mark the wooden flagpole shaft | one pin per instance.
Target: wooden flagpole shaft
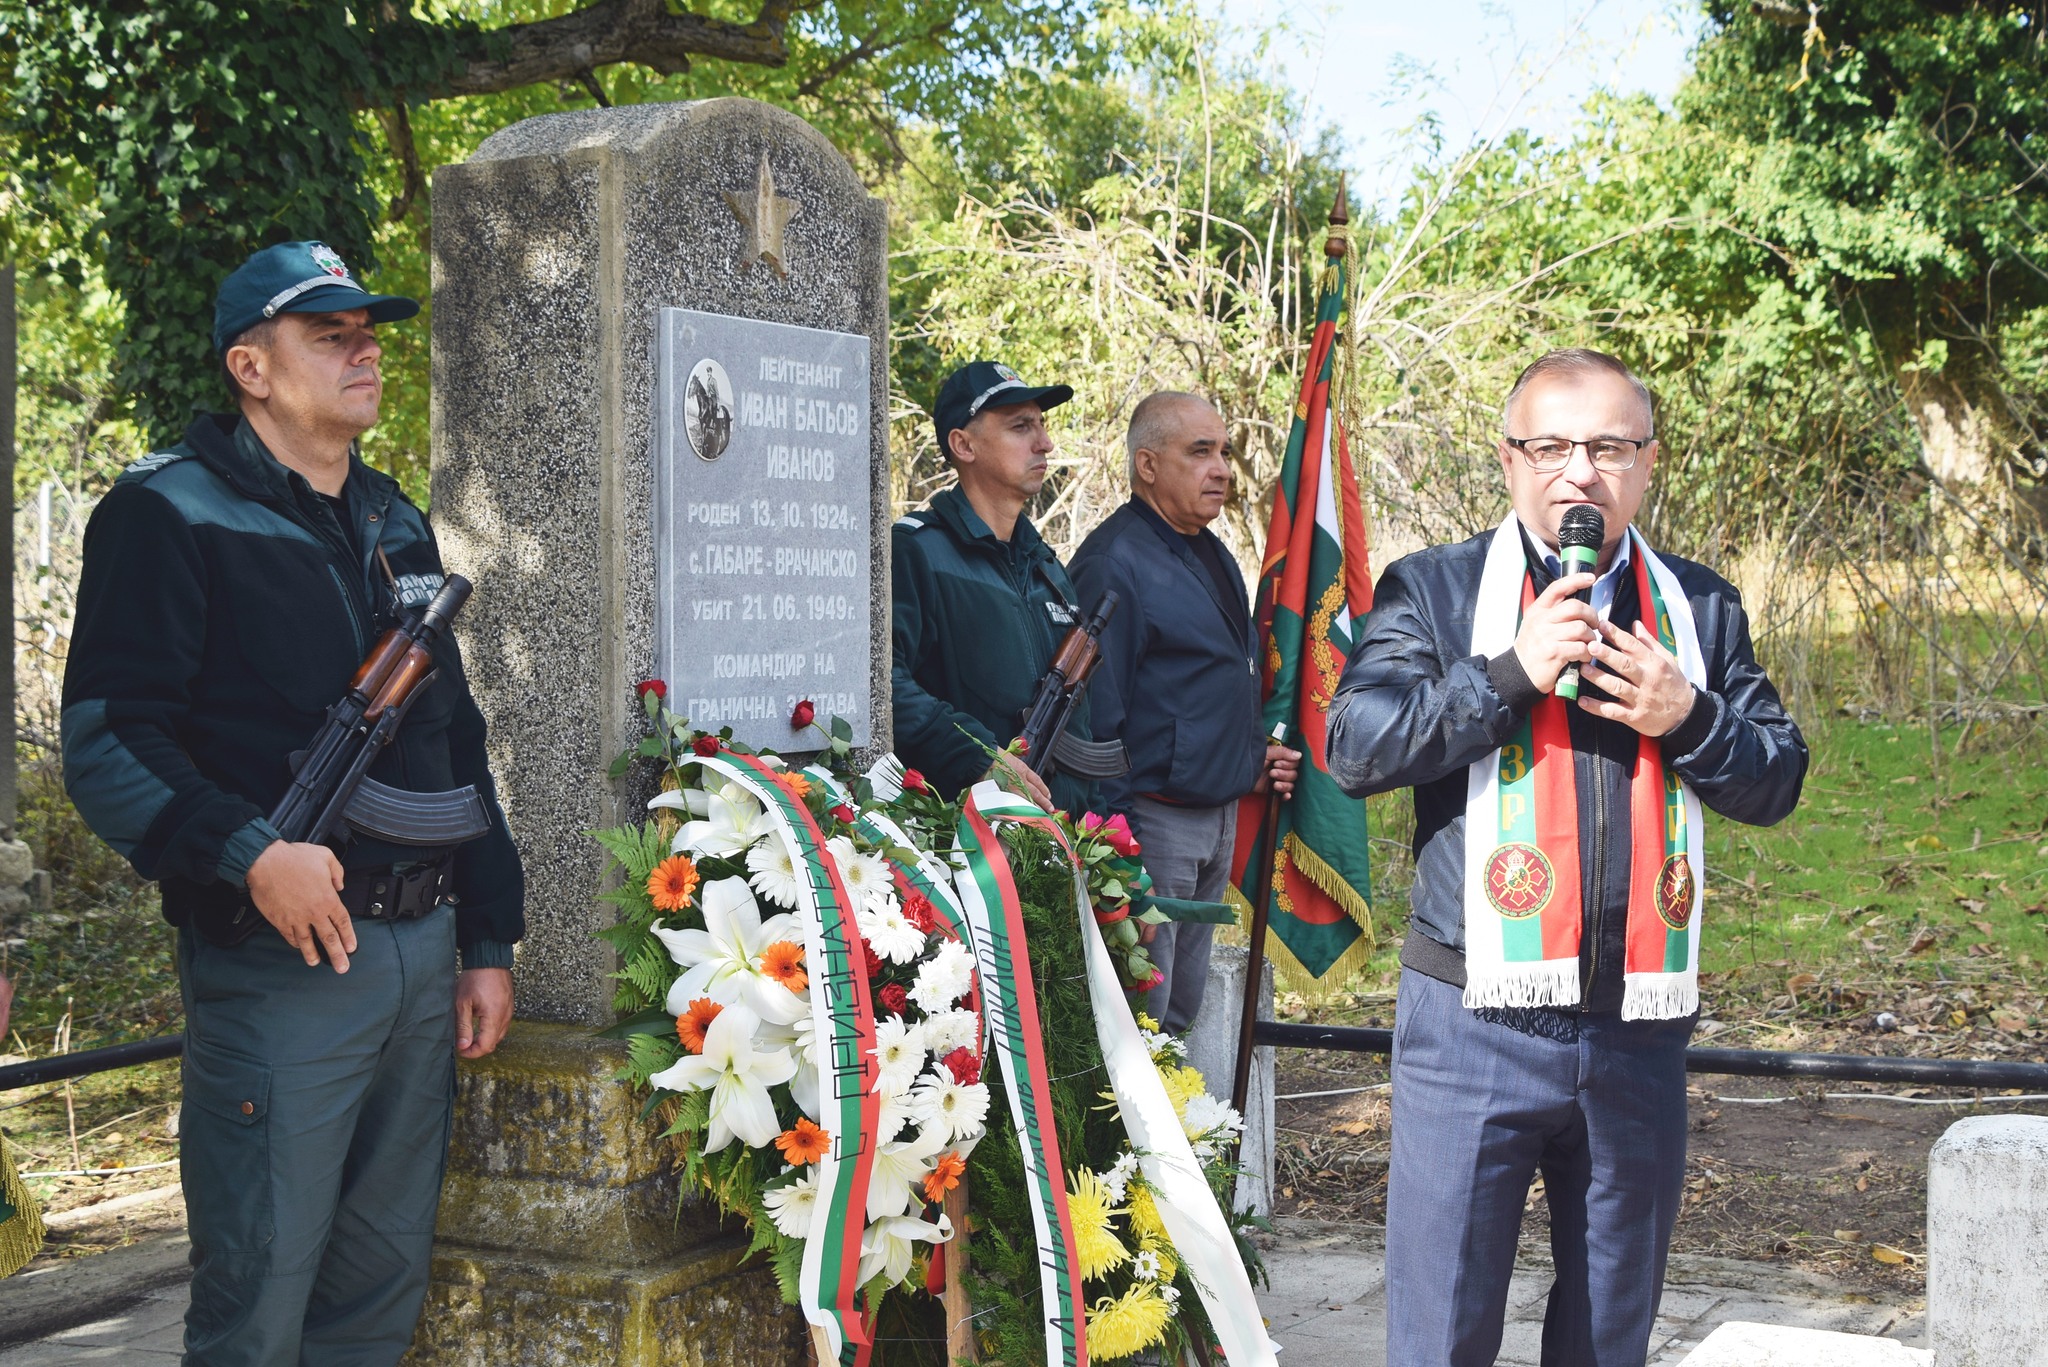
(1255, 962)
(958, 1305)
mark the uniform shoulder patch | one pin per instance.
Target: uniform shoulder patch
(149, 465)
(912, 522)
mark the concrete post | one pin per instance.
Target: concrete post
(1212, 1048)
(1987, 1242)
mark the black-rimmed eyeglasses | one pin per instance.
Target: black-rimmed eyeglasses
(1547, 454)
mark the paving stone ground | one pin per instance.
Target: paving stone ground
(1326, 1307)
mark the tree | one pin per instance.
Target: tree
(1896, 151)
(209, 128)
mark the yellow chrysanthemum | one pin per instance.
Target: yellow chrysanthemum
(1127, 1325)
(1181, 1083)
(1145, 1221)
(1145, 1022)
(1090, 1210)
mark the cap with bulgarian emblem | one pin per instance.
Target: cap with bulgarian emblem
(296, 277)
(980, 385)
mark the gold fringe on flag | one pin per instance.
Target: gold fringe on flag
(21, 1232)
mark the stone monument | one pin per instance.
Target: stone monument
(660, 384)
(1987, 1242)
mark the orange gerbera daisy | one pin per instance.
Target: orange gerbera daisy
(944, 1177)
(798, 785)
(673, 883)
(784, 962)
(802, 1143)
(691, 1025)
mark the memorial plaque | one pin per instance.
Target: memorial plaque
(762, 526)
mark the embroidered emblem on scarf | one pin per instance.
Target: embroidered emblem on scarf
(1523, 917)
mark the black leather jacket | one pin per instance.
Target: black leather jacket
(1415, 707)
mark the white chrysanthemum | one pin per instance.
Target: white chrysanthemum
(949, 1030)
(793, 1208)
(900, 1052)
(944, 978)
(771, 868)
(956, 1109)
(889, 933)
(1205, 1117)
(1163, 1048)
(1117, 1181)
(866, 877)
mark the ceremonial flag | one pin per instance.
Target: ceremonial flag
(1314, 583)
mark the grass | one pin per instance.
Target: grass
(94, 969)
(1903, 869)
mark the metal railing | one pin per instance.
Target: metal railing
(1923, 1072)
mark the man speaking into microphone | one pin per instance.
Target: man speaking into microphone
(1550, 979)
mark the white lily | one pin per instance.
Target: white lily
(721, 960)
(738, 1078)
(899, 1171)
(888, 1246)
(731, 821)
(800, 1037)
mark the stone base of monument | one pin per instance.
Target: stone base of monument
(1741, 1344)
(1212, 1048)
(564, 1237)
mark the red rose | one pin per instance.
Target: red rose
(706, 746)
(1158, 977)
(654, 686)
(1020, 746)
(964, 1066)
(913, 782)
(871, 962)
(804, 713)
(896, 997)
(843, 813)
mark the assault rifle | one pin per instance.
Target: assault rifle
(1047, 744)
(331, 795)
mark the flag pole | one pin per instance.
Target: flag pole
(1255, 962)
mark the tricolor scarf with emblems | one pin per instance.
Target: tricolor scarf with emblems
(1523, 917)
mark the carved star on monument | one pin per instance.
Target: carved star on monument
(764, 214)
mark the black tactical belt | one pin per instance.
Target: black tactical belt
(389, 895)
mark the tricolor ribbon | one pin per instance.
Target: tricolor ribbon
(843, 1017)
(1201, 1236)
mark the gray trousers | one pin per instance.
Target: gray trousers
(1593, 1102)
(314, 1136)
(1187, 850)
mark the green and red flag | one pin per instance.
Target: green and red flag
(1315, 582)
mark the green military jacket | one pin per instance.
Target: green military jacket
(975, 624)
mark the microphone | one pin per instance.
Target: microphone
(1578, 550)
